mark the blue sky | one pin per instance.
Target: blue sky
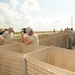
(41, 15)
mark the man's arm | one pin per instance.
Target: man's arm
(25, 40)
(22, 36)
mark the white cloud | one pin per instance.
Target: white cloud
(24, 18)
(8, 16)
(30, 5)
(14, 3)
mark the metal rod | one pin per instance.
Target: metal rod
(71, 22)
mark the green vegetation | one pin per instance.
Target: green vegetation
(17, 32)
(36, 32)
(39, 32)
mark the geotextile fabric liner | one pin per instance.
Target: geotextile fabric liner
(12, 61)
(74, 36)
(41, 36)
(59, 40)
(5, 42)
(21, 47)
(51, 61)
(17, 40)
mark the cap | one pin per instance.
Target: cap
(28, 30)
(10, 29)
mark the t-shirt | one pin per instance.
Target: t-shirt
(34, 38)
(70, 33)
(8, 36)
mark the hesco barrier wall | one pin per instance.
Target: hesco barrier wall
(59, 40)
(11, 58)
(41, 36)
(51, 61)
(17, 40)
(11, 63)
(74, 36)
(5, 42)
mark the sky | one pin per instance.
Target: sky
(40, 15)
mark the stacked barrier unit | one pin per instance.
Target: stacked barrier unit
(51, 61)
(11, 58)
(5, 42)
(17, 40)
(59, 40)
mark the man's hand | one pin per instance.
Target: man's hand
(22, 34)
(1, 38)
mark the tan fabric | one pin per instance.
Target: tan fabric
(11, 58)
(51, 61)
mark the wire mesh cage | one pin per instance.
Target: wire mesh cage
(6, 42)
(17, 40)
(59, 40)
(11, 63)
(51, 61)
(11, 58)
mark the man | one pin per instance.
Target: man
(8, 35)
(32, 38)
(70, 39)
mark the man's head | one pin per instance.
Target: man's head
(28, 30)
(10, 30)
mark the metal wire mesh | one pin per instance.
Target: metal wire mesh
(51, 61)
(59, 40)
(11, 63)
(5, 42)
(11, 58)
